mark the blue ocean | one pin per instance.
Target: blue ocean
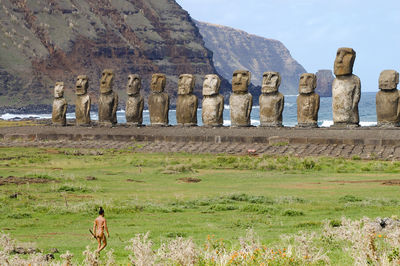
(367, 111)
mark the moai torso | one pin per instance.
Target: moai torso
(346, 90)
(240, 101)
(387, 99)
(82, 102)
(186, 104)
(213, 102)
(271, 101)
(108, 101)
(59, 106)
(307, 101)
(158, 101)
(135, 101)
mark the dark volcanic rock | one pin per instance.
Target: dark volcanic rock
(42, 42)
(324, 82)
(235, 49)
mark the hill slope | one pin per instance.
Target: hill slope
(235, 49)
(45, 41)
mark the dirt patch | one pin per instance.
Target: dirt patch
(389, 182)
(22, 180)
(393, 182)
(91, 178)
(133, 180)
(189, 180)
(52, 151)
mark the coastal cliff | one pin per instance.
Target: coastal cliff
(45, 41)
(235, 49)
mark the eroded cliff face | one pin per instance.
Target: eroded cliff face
(44, 41)
(324, 82)
(235, 49)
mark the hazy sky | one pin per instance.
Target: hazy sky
(312, 30)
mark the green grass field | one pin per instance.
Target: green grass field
(185, 195)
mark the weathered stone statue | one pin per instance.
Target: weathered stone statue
(307, 101)
(108, 101)
(59, 106)
(158, 101)
(213, 102)
(387, 99)
(240, 101)
(82, 102)
(271, 100)
(186, 104)
(135, 102)
(346, 90)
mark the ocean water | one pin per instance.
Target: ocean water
(366, 107)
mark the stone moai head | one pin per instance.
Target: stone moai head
(158, 82)
(211, 85)
(388, 80)
(344, 61)
(106, 81)
(82, 85)
(134, 84)
(241, 81)
(59, 90)
(308, 83)
(271, 82)
(186, 84)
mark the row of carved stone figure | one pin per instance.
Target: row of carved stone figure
(346, 92)
(271, 101)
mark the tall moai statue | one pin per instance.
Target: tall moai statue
(82, 102)
(240, 101)
(108, 101)
(271, 100)
(346, 90)
(186, 104)
(213, 102)
(59, 112)
(135, 102)
(307, 101)
(387, 99)
(158, 101)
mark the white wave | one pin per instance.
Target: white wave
(328, 123)
(227, 123)
(226, 106)
(367, 124)
(255, 122)
(291, 95)
(8, 116)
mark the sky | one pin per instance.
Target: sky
(313, 30)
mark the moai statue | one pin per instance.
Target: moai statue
(271, 100)
(240, 101)
(59, 106)
(387, 99)
(82, 102)
(135, 102)
(108, 101)
(186, 104)
(307, 101)
(158, 101)
(346, 90)
(213, 102)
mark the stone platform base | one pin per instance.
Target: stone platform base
(366, 143)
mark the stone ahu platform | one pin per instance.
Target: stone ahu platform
(365, 142)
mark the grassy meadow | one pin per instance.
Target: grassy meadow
(50, 197)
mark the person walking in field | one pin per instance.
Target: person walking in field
(99, 226)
